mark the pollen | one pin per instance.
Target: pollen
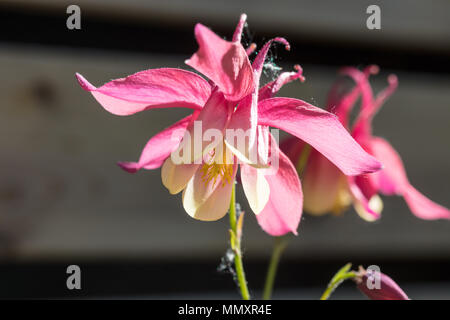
(212, 171)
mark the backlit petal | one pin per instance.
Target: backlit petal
(423, 207)
(159, 147)
(283, 211)
(256, 187)
(321, 129)
(225, 63)
(154, 88)
(176, 177)
(206, 132)
(368, 209)
(207, 201)
(321, 185)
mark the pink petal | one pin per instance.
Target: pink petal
(293, 148)
(261, 57)
(341, 100)
(213, 118)
(270, 89)
(369, 110)
(155, 88)
(238, 32)
(367, 209)
(251, 102)
(238, 135)
(159, 147)
(225, 63)
(361, 79)
(321, 129)
(368, 184)
(251, 48)
(423, 207)
(393, 180)
(362, 126)
(283, 211)
(258, 65)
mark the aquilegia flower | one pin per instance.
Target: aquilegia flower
(230, 102)
(327, 189)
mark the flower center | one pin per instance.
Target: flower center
(211, 171)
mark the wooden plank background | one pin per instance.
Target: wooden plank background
(414, 23)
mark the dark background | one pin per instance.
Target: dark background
(64, 201)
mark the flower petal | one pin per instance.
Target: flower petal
(247, 116)
(240, 26)
(423, 207)
(154, 88)
(175, 177)
(256, 187)
(225, 63)
(293, 148)
(206, 131)
(321, 185)
(238, 136)
(270, 89)
(369, 210)
(207, 201)
(342, 99)
(363, 123)
(159, 147)
(393, 180)
(321, 129)
(258, 63)
(283, 211)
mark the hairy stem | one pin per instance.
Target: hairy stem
(237, 248)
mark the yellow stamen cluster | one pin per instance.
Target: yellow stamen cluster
(211, 171)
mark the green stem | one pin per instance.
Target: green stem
(237, 250)
(342, 275)
(280, 244)
(332, 286)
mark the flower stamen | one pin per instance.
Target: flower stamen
(211, 171)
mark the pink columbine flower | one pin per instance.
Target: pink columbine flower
(386, 289)
(327, 189)
(230, 100)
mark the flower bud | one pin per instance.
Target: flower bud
(378, 286)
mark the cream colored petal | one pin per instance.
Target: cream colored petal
(321, 185)
(207, 201)
(375, 204)
(175, 177)
(256, 187)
